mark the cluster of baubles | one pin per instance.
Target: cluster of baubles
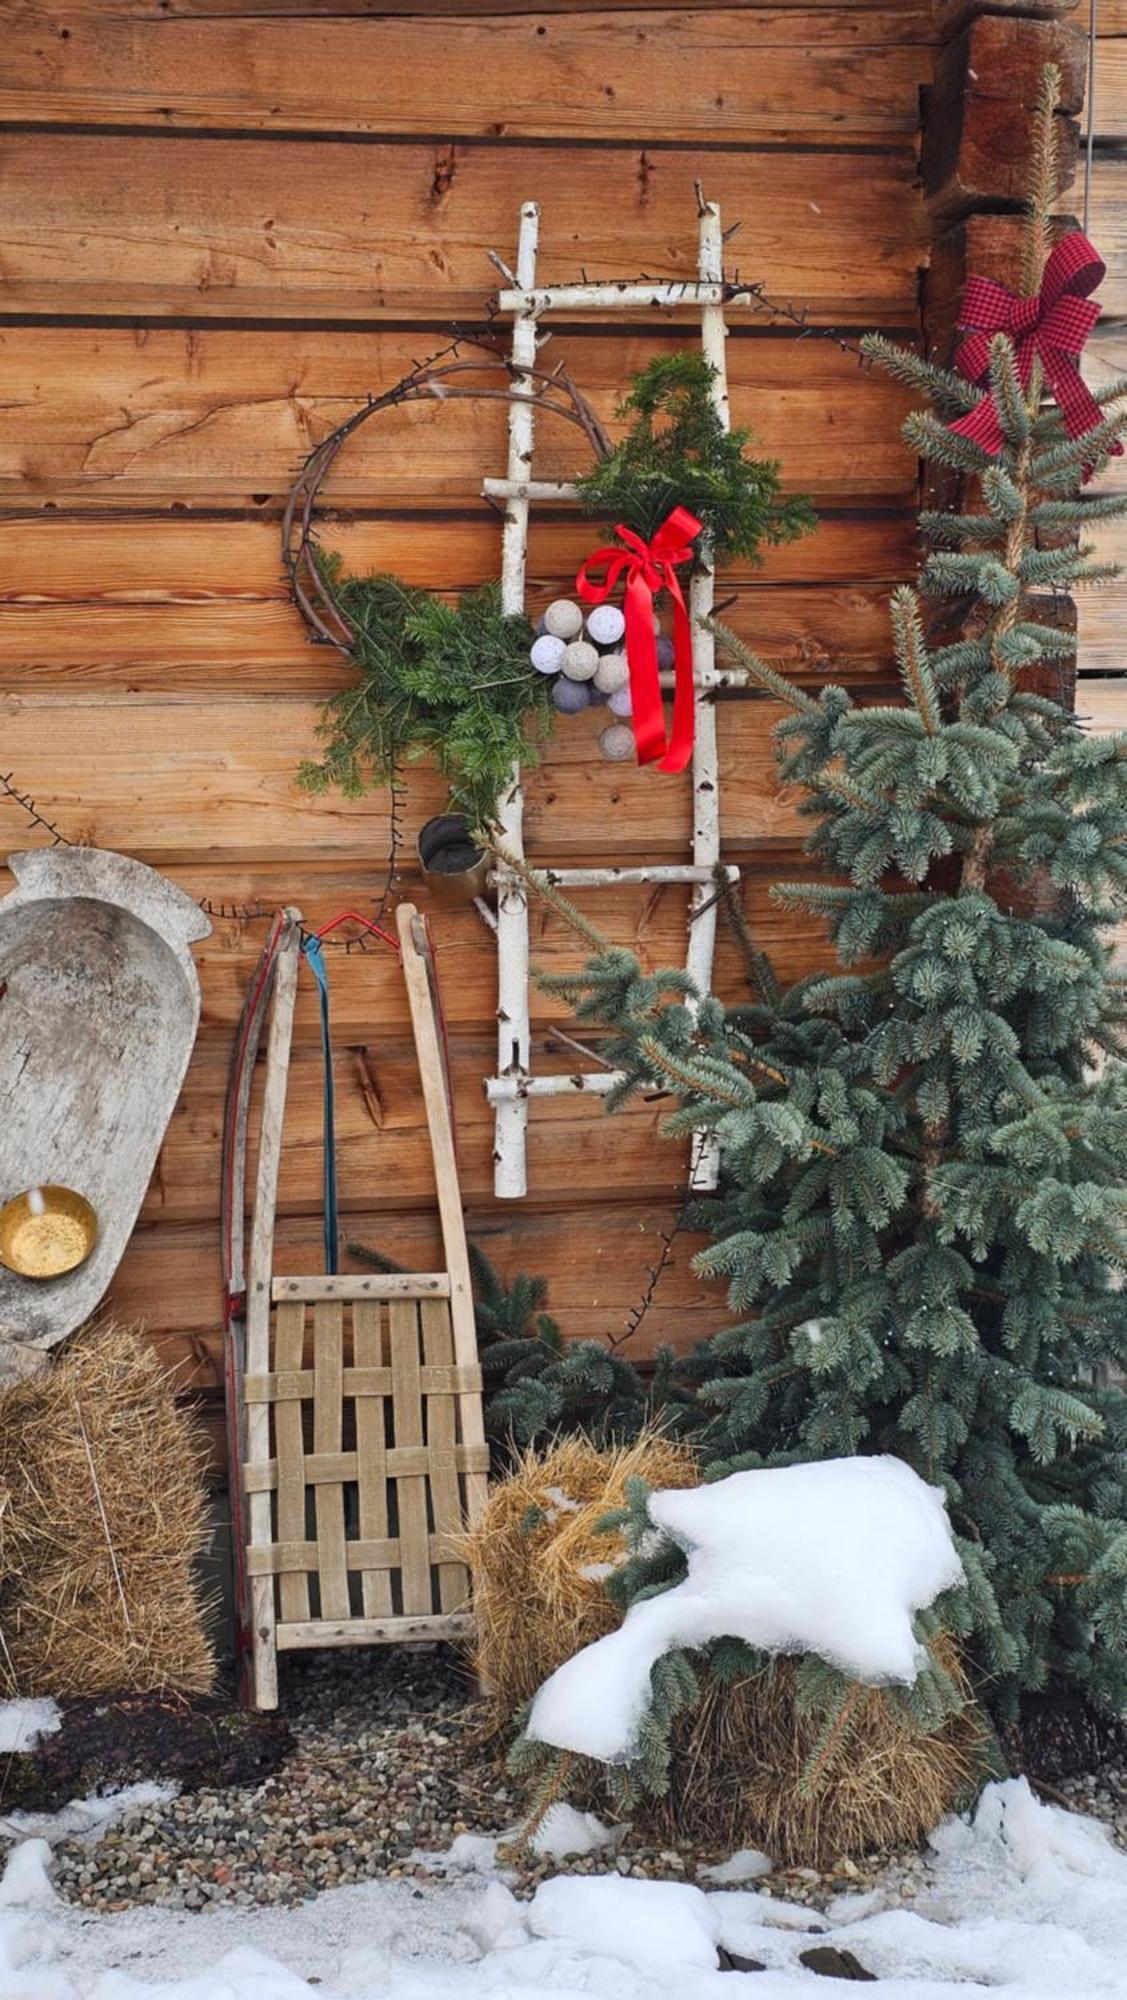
(584, 657)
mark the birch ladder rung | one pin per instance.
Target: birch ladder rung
(514, 1085)
(366, 1456)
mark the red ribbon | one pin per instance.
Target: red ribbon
(649, 567)
(1052, 326)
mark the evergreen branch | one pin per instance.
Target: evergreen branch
(768, 677)
(911, 656)
(542, 886)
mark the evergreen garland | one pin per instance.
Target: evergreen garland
(922, 1225)
(677, 453)
(451, 680)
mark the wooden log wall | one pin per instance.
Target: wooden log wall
(227, 222)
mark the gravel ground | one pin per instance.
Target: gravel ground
(389, 1763)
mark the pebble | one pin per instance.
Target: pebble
(392, 1761)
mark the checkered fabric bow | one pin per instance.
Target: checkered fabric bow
(1052, 326)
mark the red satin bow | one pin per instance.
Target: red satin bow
(1052, 326)
(649, 567)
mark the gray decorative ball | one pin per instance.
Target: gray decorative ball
(606, 624)
(665, 655)
(611, 673)
(620, 702)
(580, 661)
(569, 696)
(563, 619)
(547, 654)
(616, 744)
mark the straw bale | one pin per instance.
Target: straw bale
(104, 1521)
(538, 1563)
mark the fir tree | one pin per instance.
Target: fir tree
(922, 1225)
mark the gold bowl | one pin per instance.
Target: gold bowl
(46, 1231)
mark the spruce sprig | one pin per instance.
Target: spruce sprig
(676, 452)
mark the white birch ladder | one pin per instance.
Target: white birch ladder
(514, 1084)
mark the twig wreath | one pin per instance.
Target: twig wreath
(470, 683)
(453, 680)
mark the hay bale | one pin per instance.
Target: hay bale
(105, 1518)
(745, 1771)
(538, 1564)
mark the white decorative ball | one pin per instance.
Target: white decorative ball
(666, 655)
(580, 661)
(620, 702)
(547, 654)
(616, 743)
(563, 619)
(606, 624)
(611, 673)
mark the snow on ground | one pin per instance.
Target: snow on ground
(23, 1722)
(831, 1558)
(85, 1819)
(1025, 1899)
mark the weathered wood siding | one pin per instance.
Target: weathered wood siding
(1102, 693)
(226, 221)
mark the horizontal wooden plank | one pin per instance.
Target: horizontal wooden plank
(1107, 222)
(368, 998)
(388, 1166)
(167, 227)
(169, 1277)
(1102, 704)
(211, 416)
(171, 781)
(1111, 84)
(822, 632)
(200, 560)
(667, 74)
(912, 20)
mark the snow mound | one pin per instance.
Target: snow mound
(23, 1722)
(563, 1831)
(645, 1923)
(832, 1559)
(747, 1865)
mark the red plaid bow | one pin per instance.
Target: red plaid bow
(1053, 325)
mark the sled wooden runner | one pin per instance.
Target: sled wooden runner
(366, 1455)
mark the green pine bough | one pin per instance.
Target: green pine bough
(676, 452)
(923, 1222)
(450, 680)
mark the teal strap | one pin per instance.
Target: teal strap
(315, 959)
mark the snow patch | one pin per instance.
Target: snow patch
(86, 1819)
(23, 1722)
(832, 1559)
(644, 1923)
(563, 1831)
(746, 1865)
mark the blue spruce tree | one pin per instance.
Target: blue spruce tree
(923, 1222)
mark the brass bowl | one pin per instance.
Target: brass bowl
(46, 1232)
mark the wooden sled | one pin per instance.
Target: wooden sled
(365, 1452)
(99, 1005)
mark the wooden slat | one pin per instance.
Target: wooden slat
(209, 416)
(392, 1285)
(371, 1460)
(166, 227)
(441, 1430)
(289, 1345)
(679, 74)
(374, 1631)
(260, 1262)
(172, 782)
(328, 1410)
(410, 1490)
(1107, 223)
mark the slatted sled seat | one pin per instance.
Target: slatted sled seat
(365, 1441)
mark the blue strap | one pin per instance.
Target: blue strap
(315, 959)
